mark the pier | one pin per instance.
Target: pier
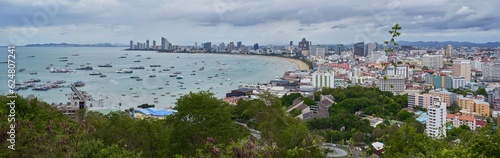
(82, 98)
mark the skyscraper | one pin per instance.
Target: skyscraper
(163, 43)
(256, 46)
(340, 48)
(238, 44)
(449, 51)
(154, 44)
(131, 44)
(370, 47)
(462, 68)
(432, 61)
(304, 44)
(207, 46)
(359, 49)
(147, 44)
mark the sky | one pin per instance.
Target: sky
(184, 22)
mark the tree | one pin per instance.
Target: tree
(394, 33)
(425, 68)
(201, 116)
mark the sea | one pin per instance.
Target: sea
(221, 74)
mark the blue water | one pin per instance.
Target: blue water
(237, 68)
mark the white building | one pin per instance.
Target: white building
(436, 119)
(394, 84)
(397, 71)
(432, 61)
(377, 56)
(476, 64)
(458, 82)
(491, 69)
(323, 79)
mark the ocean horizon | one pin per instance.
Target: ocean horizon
(222, 73)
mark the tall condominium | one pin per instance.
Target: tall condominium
(432, 61)
(147, 44)
(436, 119)
(449, 51)
(462, 68)
(394, 84)
(163, 40)
(304, 44)
(370, 47)
(238, 44)
(131, 44)
(154, 44)
(323, 79)
(359, 49)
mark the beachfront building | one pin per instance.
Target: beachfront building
(323, 79)
(436, 119)
(152, 113)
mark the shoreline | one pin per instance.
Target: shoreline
(300, 64)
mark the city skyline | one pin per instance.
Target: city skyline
(186, 22)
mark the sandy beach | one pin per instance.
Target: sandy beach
(300, 64)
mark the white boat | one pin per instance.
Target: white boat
(124, 71)
(95, 73)
(59, 70)
(105, 65)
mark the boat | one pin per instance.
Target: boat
(64, 60)
(95, 73)
(103, 75)
(152, 75)
(160, 87)
(148, 58)
(173, 75)
(105, 65)
(162, 94)
(31, 56)
(172, 67)
(166, 69)
(126, 71)
(183, 87)
(63, 57)
(154, 65)
(193, 74)
(216, 75)
(138, 55)
(137, 61)
(194, 71)
(178, 72)
(179, 77)
(156, 101)
(79, 84)
(70, 63)
(75, 55)
(137, 67)
(122, 57)
(139, 79)
(22, 70)
(123, 94)
(196, 83)
(33, 73)
(135, 76)
(87, 63)
(209, 76)
(59, 70)
(173, 95)
(167, 92)
(85, 68)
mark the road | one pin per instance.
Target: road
(253, 132)
(338, 152)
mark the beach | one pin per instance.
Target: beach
(300, 64)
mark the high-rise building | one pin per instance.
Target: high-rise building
(420, 100)
(154, 44)
(222, 47)
(447, 97)
(473, 107)
(163, 40)
(256, 46)
(304, 44)
(147, 44)
(238, 44)
(449, 51)
(359, 49)
(458, 82)
(318, 50)
(394, 84)
(436, 119)
(491, 70)
(462, 68)
(131, 44)
(400, 70)
(432, 61)
(323, 79)
(370, 47)
(207, 46)
(340, 48)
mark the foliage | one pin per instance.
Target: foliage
(394, 33)
(454, 108)
(287, 100)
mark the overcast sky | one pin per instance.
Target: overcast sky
(184, 22)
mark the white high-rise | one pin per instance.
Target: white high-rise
(436, 119)
(323, 79)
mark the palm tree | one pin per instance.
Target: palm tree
(394, 33)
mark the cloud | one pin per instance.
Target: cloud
(187, 21)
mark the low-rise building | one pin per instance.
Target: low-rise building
(458, 119)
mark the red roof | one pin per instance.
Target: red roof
(480, 123)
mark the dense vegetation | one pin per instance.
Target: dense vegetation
(208, 127)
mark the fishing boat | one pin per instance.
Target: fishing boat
(135, 76)
(95, 73)
(193, 74)
(179, 77)
(172, 67)
(137, 67)
(75, 55)
(148, 58)
(64, 60)
(178, 72)
(152, 75)
(122, 57)
(125, 71)
(173, 75)
(85, 68)
(138, 55)
(63, 57)
(137, 61)
(139, 79)
(22, 70)
(155, 65)
(166, 69)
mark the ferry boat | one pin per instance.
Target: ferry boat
(126, 71)
(179, 77)
(85, 68)
(95, 73)
(58, 70)
(173, 75)
(105, 65)
(154, 65)
(137, 67)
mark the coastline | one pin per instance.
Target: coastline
(300, 64)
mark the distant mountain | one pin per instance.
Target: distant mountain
(445, 43)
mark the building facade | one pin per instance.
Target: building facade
(323, 79)
(462, 68)
(436, 119)
(394, 84)
(432, 61)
